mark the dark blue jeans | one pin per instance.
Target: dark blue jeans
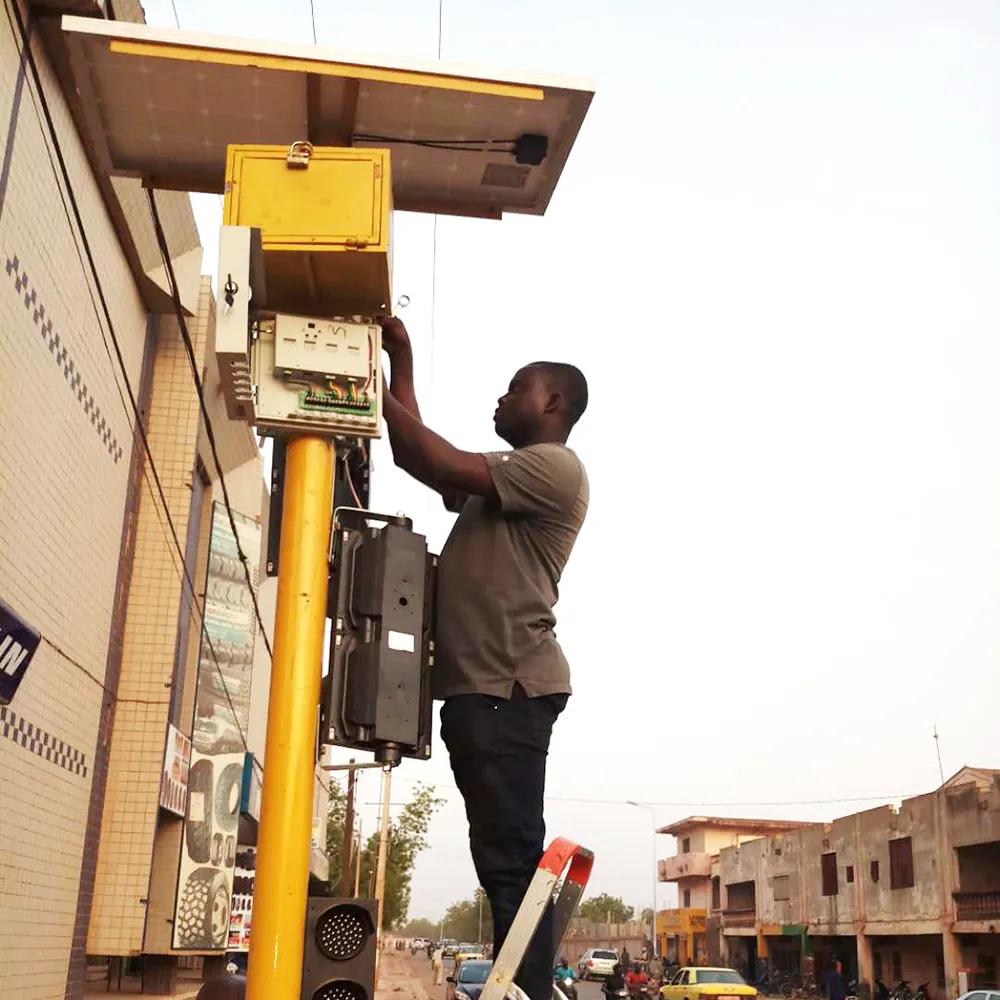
(498, 749)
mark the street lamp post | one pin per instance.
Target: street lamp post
(652, 811)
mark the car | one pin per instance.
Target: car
(467, 951)
(981, 995)
(448, 947)
(706, 984)
(468, 979)
(596, 963)
(419, 944)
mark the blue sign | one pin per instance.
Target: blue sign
(18, 642)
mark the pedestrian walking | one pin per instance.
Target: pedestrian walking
(437, 966)
(498, 667)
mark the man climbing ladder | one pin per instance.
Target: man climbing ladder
(499, 669)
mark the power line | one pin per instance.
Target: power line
(312, 14)
(161, 239)
(44, 114)
(692, 805)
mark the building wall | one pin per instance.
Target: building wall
(241, 464)
(918, 820)
(835, 913)
(63, 486)
(781, 858)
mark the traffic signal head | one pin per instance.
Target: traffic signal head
(339, 960)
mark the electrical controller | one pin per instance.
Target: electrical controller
(377, 694)
(285, 373)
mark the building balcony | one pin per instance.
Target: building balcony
(690, 865)
(739, 918)
(977, 905)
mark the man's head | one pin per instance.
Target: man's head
(543, 402)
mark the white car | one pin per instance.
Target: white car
(597, 962)
(981, 995)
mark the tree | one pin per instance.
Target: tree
(335, 817)
(462, 919)
(647, 915)
(407, 838)
(419, 928)
(605, 909)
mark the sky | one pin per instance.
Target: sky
(774, 252)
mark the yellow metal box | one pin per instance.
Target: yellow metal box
(325, 216)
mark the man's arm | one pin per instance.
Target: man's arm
(430, 459)
(396, 342)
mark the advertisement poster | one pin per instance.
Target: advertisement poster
(176, 765)
(242, 908)
(222, 709)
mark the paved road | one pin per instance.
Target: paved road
(589, 991)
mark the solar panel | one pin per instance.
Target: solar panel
(163, 105)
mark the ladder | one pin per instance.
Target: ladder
(560, 853)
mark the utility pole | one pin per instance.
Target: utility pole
(383, 850)
(479, 940)
(937, 744)
(345, 852)
(357, 866)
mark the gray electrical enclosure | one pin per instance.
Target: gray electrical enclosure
(381, 601)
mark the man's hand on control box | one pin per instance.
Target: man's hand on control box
(394, 336)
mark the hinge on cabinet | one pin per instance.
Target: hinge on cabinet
(356, 242)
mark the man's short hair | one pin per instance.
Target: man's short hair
(571, 383)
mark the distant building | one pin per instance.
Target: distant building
(686, 934)
(911, 894)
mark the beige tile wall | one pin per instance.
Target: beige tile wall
(61, 506)
(130, 808)
(241, 464)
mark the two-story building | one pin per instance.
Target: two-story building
(688, 934)
(910, 893)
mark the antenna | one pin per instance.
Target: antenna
(937, 744)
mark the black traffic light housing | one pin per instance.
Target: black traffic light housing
(377, 694)
(339, 958)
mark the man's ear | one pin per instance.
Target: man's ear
(554, 403)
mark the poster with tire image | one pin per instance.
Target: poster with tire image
(222, 707)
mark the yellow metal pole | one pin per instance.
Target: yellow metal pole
(280, 890)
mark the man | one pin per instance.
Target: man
(437, 966)
(498, 667)
(635, 978)
(614, 983)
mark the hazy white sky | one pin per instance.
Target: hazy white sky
(774, 252)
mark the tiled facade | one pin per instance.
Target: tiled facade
(62, 498)
(154, 606)
(87, 861)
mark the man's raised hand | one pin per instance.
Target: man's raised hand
(394, 335)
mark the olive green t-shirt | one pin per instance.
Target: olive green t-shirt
(498, 577)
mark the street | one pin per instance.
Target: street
(402, 968)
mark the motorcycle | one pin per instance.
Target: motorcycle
(566, 986)
(922, 992)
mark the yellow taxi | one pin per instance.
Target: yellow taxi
(706, 984)
(469, 953)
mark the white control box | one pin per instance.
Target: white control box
(317, 376)
(287, 373)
